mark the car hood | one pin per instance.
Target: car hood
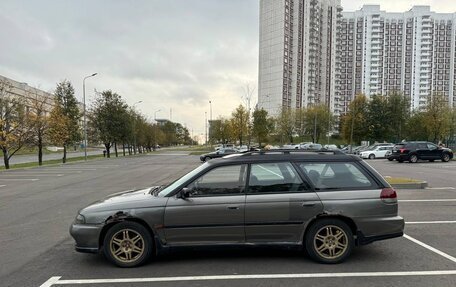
(129, 199)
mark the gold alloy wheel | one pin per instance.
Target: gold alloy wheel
(331, 242)
(127, 245)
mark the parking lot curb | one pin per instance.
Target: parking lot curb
(415, 185)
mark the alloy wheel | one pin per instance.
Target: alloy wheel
(331, 242)
(126, 245)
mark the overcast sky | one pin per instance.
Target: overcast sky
(170, 54)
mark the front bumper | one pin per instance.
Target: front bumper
(86, 237)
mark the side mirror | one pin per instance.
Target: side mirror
(184, 193)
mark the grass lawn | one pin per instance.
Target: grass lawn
(399, 180)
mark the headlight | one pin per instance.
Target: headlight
(80, 219)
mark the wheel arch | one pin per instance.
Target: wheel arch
(111, 221)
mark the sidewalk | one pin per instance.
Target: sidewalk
(16, 159)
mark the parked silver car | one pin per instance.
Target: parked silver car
(325, 202)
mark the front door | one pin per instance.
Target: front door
(278, 204)
(213, 213)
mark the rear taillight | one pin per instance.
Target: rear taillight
(402, 150)
(388, 195)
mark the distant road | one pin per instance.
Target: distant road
(16, 159)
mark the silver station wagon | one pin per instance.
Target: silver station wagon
(324, 202)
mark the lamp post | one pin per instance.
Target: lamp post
(205, 121)
(134, 127)
(155, 130)
(84, 114)
(210, 121)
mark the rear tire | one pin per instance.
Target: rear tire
(128, 244)
(413, 158)
(329, 241)
(390, 159)
(445, 157)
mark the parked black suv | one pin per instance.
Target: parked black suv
(420, 150)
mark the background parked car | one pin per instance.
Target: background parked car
(376, 152)
(220, 146)
(420, 150)
(219, 153)
(371, 147)
(312, 146)
(331, 147)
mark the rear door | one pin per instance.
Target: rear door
(278, 203)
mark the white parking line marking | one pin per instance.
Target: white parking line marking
(449, 257)
(56, 280)
(428, 200)
(33, 174)
(2, 185)
(438, 188)
(51, 281)
(19, 179)
(432, 222)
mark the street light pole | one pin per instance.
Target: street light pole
(134, 127)
(205, 121)
(84, 114)
(210, 124)
(156, 127)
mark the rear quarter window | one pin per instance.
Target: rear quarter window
(337, 176)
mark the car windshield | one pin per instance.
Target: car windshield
(171, 187)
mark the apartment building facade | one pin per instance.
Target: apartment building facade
(312, 52)
(298, 55)
(412, 52)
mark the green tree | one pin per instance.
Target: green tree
(66, 111)
(318, 121)
(285, 124)
(437, 118)
(415, 128)
(38, 121)
(399, 114)
(14, 131)
(110, 117)
(354, 123)
(239, 123)
(262, 125)
(378, 115)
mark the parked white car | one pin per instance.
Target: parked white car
(377, 152)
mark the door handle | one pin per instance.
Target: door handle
(309, 203)
(233, 207)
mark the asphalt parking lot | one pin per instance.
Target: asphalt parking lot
(37, 206)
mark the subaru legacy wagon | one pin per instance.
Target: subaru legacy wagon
(324, 202)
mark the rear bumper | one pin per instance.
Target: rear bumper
(372, 229)
(363, 240)
(86, 237)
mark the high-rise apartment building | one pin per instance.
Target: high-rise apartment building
(412, 52)
(312, 52)
(297, 62)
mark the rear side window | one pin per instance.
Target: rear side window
(274, 178)
(337, 175)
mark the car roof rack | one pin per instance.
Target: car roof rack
(290, 151)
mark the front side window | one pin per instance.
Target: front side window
(274, 178)
(337, 175)
(432, 146)
(223, 180)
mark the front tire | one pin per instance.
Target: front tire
(445, 157)
(372, 156)
(329, 241)
(128, 244)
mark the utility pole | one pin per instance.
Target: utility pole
(210, 123)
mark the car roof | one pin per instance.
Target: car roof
(286, 155)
